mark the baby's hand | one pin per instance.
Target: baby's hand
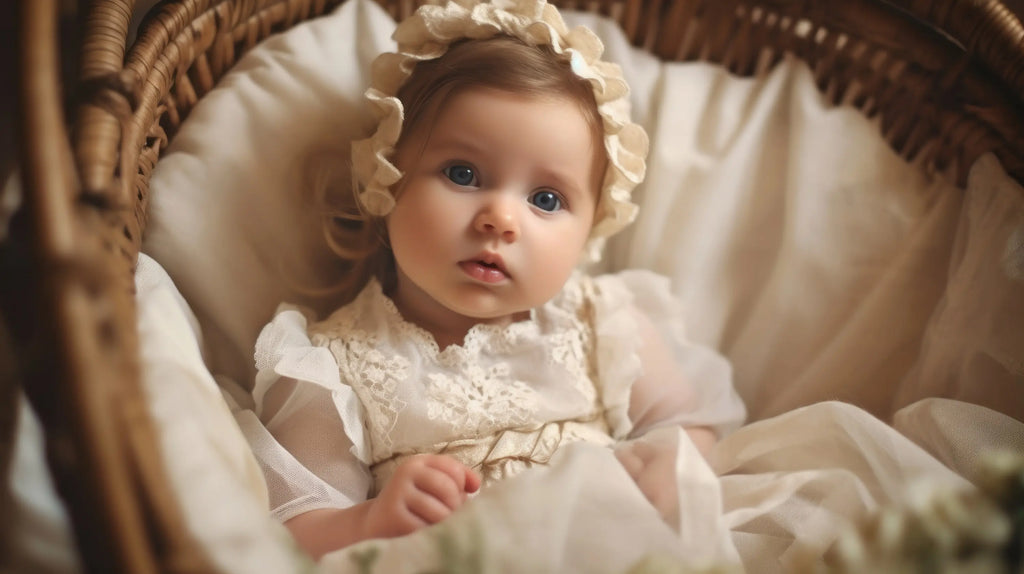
(653, 470)
(424, 490)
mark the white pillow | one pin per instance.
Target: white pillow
(208, 461)
(817, 259)
(228, 219)
(790, 231)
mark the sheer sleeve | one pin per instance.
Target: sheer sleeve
(303, 437)
(651, 375)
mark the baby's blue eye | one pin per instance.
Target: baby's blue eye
(546, 200)
(460, 175)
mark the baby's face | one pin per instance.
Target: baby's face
(495, 207)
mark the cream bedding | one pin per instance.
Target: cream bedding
(822, 265)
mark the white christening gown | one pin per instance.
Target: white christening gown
(542, 409)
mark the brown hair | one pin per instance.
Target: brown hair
(503, 63)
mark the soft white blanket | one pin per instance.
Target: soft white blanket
(789, 486)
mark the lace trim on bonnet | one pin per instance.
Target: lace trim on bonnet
(427, 34)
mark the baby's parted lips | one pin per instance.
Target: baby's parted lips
(491, 261)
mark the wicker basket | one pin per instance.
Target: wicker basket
(946, 77)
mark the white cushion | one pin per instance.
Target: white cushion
(207, 459)
(228, 216)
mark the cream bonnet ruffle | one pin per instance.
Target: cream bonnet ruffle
(427, 34)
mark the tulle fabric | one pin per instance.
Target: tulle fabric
(787, 489)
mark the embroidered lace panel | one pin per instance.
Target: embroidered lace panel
(473, 390)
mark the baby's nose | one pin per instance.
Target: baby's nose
(498, 217)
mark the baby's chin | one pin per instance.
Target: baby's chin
(497, 306)
(497, 318)
(491, 310)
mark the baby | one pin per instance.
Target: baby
(473, 346)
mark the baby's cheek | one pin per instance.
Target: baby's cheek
(562, 256)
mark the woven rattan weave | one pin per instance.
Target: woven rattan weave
(946, 77)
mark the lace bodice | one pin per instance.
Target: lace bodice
(418, 398)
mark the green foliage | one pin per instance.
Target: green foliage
(457, 557)
(963, 532)
(365, 559)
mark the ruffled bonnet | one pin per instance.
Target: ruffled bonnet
(427, 34)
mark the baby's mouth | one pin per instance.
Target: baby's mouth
(488, 269)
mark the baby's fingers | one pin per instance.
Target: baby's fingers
(473, 480)
(428, 508)
(465, 478)
(440, 486)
